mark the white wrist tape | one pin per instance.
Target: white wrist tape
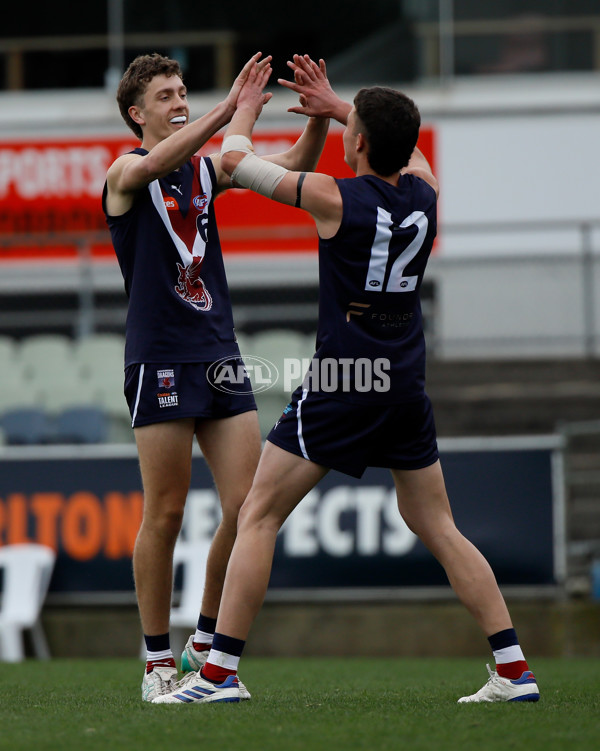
(237, 143)
(258, 175)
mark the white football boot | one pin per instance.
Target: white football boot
(194, 689)
(504, 689)
(193, 661)
(158, 682)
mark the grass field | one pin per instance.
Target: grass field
(309, 704)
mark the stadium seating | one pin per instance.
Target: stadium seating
(86, 424)
(59, 388)
(244, 342)
(100, 355)
(27, 570)
(99, 359)
(16, 391)
(25, 426)
(53, 373)
(100, 362)
(277, 346)
(48, 368)
(45, 352)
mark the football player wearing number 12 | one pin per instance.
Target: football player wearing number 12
(375, 231)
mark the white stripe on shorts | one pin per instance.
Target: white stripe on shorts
(137, 396)
(299, 417)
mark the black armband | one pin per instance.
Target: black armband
(301, 177)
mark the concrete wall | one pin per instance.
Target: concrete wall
(433, 629)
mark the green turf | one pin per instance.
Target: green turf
(308, 704)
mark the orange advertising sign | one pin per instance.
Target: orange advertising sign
(52, 188)
(83, 524)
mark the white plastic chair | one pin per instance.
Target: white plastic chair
(27, 570)
(191, 556)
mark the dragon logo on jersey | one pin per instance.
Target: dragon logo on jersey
(190, 286)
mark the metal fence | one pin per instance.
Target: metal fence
(517, 288)
(521, 289)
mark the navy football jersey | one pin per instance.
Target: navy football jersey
(370, 318)
(169, 252)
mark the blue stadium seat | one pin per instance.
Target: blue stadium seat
(81, 425)
(26, 426)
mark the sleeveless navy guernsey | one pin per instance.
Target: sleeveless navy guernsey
(168, 248)
(370, 276)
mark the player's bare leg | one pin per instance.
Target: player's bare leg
(424, 505)
(281, 482)
(231, 447)
(165, 451)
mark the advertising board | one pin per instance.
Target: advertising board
(346, 535)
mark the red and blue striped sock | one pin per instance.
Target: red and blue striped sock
(510, 661)
(223, 659)
(205, 631)
(158, 652)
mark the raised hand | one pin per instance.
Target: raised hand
(316, 97)
(252, 95)
(242, 76)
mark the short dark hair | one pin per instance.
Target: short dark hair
(390, 122)
(135, 81)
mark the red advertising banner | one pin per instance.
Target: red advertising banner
(51, 189)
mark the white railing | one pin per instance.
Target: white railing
(526, 288)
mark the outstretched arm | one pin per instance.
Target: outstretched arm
(317, 98)
(130, 172)
(420, 167)
(317, 193)
(304, 155)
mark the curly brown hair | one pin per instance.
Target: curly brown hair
(135, 81)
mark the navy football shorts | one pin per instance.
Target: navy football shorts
(156, 392)
(351, 437)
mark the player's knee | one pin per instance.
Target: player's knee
(440, 540)
(259, 509)
(229, 516)
(166, 522)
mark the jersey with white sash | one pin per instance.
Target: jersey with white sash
(169, 252)
(370, 320)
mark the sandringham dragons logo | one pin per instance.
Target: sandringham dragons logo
(190, 286)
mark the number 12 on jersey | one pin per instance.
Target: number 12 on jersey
(385, 235)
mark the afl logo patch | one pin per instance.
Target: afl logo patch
(374, 283)
(200, 201)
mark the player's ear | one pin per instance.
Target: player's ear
(135, 114)
(361, 142)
